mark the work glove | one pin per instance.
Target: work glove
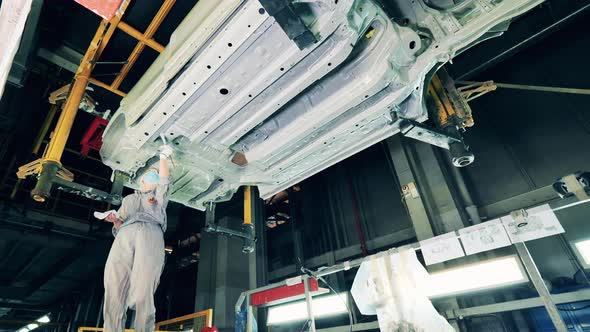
(166, 151)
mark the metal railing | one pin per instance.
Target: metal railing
(195, 322)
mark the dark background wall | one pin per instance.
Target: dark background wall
(524, 140)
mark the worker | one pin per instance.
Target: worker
(136, 260)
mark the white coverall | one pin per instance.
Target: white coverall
(136, 260)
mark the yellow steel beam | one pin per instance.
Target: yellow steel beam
(44, 128)
(159, 18)
(49, 166)
(106, 86)
(114, 22)
(247, 205)
(142, 39)
(145, 38)
(64, 124)
(66, 119)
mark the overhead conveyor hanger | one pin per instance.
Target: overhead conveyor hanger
(447, 104)
(48, 168)
(247, 233)
(451, 116)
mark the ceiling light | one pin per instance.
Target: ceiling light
(484, 275)
(44, 319)
(24, 329)
(32, 326)
(322, 307)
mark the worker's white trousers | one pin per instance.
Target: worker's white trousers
(131, 276)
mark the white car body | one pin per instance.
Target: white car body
(242, 104)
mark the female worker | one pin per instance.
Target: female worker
(136, 259)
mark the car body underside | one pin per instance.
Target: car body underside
(268, 93)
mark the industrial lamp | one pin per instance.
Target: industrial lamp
(321, 307)
(583, 249)
(30, 327)
(493, 273)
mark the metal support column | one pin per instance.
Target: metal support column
(437, 199)
(309, 303)
(295, 222)
(249, 314)
(248, 225)
(539, 283)
(259, 258)
(410, 192)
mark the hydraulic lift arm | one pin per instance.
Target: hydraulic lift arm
(49, 166)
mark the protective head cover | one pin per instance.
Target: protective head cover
(393, 287)
(151, 177)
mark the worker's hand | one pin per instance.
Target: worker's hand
(113, 218)
(166, 151)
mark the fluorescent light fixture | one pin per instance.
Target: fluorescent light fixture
(24, 329)
(484, 275)
(44, 319)
(583, 248)
(322, 307)
(32, 326)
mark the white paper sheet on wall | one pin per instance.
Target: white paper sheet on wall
(541, 222)
(441, 248)
(483, 237)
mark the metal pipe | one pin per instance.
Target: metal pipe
(45, 181)
(226, 231)
(539, 283)
(249, 325)
(469, 206)
(308, 301)
(534, 87)
(562, 298)
(108, 62)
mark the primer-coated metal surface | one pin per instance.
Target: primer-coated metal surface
(243, 105)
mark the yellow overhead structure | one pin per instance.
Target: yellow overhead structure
(451, 108)
(248, 205)
(250, 198)
(49, 166)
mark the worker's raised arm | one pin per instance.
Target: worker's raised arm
(165, 153)
(162, 189)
